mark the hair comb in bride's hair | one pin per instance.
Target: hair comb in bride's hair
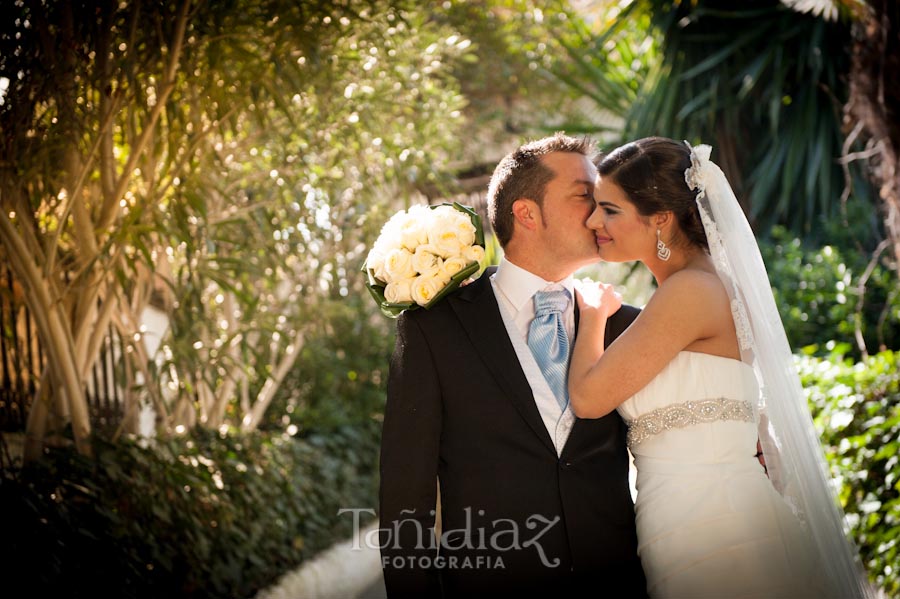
(695, 175)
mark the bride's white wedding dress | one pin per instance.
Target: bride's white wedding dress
(709, 521)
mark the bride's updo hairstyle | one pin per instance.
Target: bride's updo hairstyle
(651, 173)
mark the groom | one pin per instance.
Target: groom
(532, 499)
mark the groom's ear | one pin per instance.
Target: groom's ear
(527, 213)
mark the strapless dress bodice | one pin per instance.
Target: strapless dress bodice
(699, 405)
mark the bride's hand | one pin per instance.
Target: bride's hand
(598, 296)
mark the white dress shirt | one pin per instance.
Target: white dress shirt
(514, 287)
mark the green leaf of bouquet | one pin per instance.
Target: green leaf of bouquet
(387, 308)
(394, 310)
(476, 221)
(377, 293)
(371, 280)
(454, 283)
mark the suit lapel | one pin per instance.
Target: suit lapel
(479, 314)
(578, 424)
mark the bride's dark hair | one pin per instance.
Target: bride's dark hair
(651, 173)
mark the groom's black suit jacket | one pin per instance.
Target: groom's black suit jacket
(515, 516)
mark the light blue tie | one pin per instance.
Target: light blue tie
(548, 341)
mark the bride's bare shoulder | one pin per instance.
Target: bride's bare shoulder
(693, 288)
(693, 280)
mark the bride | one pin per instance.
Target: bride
(703, 377)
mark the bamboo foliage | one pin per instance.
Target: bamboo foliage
(61, 191)
(286, 197)
(206, 158)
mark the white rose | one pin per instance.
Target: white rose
(398, 265)
(425, 288)
(391, 229)
(443, 234)
(474, 253)
(412, 231)
(375, 263)
(453, 265)
(420, 211)
(399, 292)
(465, 230)
(425, 260)
(389, 237)
(411, 226)
(444, 211)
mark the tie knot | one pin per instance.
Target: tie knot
(546, 302)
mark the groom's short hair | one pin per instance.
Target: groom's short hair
(522, 174)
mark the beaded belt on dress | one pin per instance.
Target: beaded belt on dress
(687, 414)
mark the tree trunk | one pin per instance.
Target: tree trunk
(251, 420)
(55, 333)
(875, 101)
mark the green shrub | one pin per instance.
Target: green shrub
(856, 408)
(817, 292)
(341, 373)
(199, 516)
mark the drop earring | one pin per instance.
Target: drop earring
(662, 250)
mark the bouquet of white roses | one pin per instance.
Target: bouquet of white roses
(422, 254)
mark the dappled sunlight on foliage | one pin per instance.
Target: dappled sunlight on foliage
(822, 295)
(359, 121)
(221, 163)
(856, 409)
